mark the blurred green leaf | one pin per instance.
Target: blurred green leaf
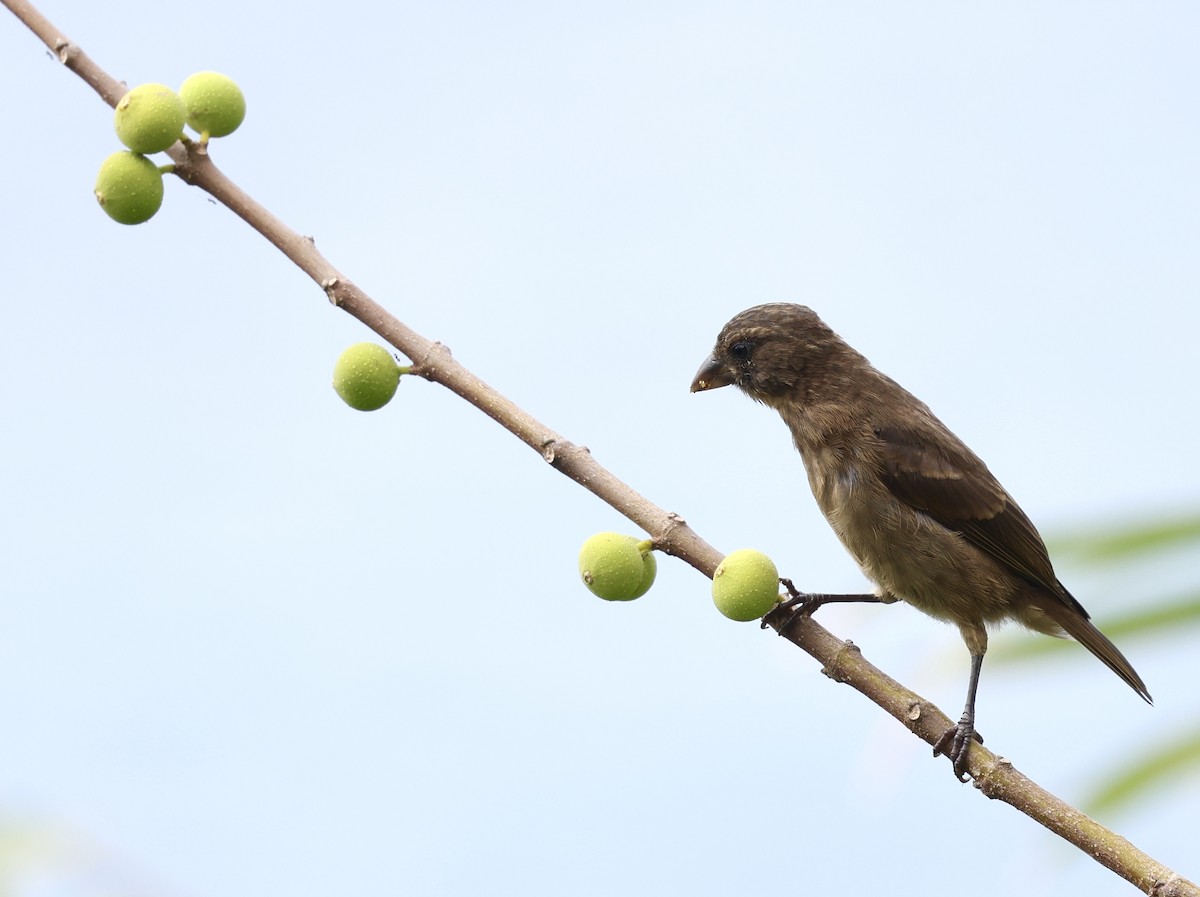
(1162, 619)
(1123, 543)
(1183, 611)
(1155, 545)
(1155, 769)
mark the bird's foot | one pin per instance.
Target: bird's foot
(797, 605)
(802, 604)
(955, 743)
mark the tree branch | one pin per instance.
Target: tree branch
(841, 660)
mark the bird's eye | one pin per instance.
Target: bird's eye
(741, 349)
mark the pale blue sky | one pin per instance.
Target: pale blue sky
(257, 643)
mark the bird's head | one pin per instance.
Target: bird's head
(770, 352)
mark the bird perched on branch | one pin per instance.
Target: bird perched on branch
(918, 510)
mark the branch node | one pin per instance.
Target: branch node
(664, 542)
(556, 450)
(1167, 887)
(990, 775)
(674, 522)
(330, 286)
(833, 669)
(427, 365)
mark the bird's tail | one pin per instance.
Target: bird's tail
(1080, 628)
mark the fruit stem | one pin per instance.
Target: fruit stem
(405, 369)
(646, 547)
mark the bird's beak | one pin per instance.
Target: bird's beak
(712, 375)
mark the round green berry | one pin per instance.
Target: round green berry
(215, 104)
(617, 567)
(366, 376)
(129, 188)
(746, 585)
(149, 118)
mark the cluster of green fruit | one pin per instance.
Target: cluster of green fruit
(149, 119)
(366, 376)
(617, 567)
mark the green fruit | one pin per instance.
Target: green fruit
(746, 585)
(149, 118)
(617, 567)
(366, 376)
(129, 188)
(215, 104)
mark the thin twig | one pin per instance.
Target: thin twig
(841, 660)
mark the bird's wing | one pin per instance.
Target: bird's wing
(950, 484)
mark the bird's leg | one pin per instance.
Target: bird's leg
(802, 604)
(955, 742)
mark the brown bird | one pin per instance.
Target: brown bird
(918, 510)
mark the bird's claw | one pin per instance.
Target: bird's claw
(798, 604)
(955, 743)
